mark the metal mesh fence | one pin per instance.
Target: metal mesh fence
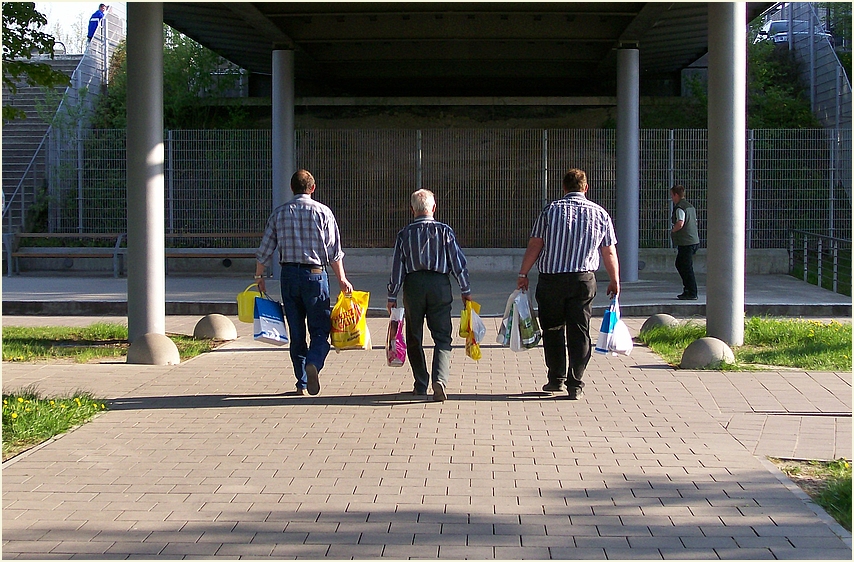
(490, 184)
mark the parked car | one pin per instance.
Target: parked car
(778, 31)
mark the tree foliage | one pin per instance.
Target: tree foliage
(776, 95)
(194, 80)
(22, 37)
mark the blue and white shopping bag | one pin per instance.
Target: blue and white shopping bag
(606, 331)
(269, 321)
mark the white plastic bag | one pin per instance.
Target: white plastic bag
(614, 335)
(519, 329)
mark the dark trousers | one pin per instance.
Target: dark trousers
(685, 267)
(305, 299)
(565, 305)
(427, 294)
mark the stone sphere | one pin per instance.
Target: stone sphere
(706, 353)
(215, 327)
(153, 349)
(657, 320)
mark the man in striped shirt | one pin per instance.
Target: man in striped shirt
(305, 233)
(426, 253)
(566, 242)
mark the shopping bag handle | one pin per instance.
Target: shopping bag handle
(250, 286)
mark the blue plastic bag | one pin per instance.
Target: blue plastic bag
(269, 322)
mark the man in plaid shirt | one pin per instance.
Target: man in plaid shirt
(305, 233)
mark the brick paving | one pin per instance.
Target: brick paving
(217, 457)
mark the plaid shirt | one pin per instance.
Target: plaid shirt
(304, 231)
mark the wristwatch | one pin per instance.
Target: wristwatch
(259, 277)
(523, 275)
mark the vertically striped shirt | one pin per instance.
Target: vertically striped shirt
(573, 229)
(427, 245)
(304, 231)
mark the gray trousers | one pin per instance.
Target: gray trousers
(427, 295)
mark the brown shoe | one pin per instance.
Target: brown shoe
(575, 393)
(313, 379)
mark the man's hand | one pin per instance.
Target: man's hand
(262, 285)
(389, 305)
(613, 288)
(522, 283)
(466, 298)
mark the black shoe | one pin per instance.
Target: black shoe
(311, 374)
(417, 392)
(575, 393)
(554, 387)
(684, 297)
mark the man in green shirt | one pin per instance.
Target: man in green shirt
(686, 238)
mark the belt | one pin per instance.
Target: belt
(312, 267)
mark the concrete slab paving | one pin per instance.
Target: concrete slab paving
(217, 457)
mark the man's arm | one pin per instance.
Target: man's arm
(612, 266)
(343, 283)
(532, 252)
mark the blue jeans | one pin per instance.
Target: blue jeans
(305, 299)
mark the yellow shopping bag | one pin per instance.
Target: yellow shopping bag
(349, 321)
(246, 304)
(472, 329)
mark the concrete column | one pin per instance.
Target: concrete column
(283, 125)
(726, 176)
(628, 162)
(146, 261)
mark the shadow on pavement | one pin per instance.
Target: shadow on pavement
(181, 402)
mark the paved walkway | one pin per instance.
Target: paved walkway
(217, 457)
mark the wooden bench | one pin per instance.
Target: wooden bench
(195, 248)
(15, 251)
(218, 251)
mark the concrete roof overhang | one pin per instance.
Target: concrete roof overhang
(453, 48)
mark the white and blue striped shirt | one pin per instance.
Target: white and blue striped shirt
(427, 245)
(573, 229)
(304, 231)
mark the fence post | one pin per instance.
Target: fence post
(805, 257)
(833, 161)
(835, 250)
(791, 253)
(671, 170)
(545, 167)
(79, 177)
(170, 195)
(418, 159)
(749, 202)
(819, 262)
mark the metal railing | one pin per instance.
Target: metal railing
(821, 260)
(68, 124)
(823, 73)
(490, 183)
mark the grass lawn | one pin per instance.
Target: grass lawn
(83, 344)
(827, 483)
(768, 343)
(29, 419)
